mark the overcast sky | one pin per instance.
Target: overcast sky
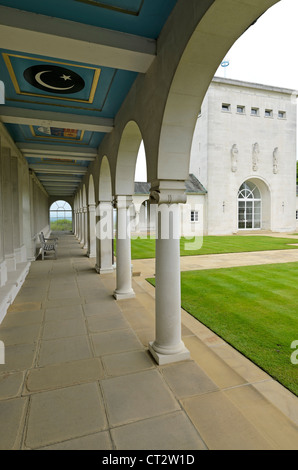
(266, 53)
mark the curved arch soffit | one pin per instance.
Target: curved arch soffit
(218, 30)
(261, 184)
(60, 204)
(67, 199)
(91, 192)
(127, 157)
(105, 181)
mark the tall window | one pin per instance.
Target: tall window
(194, 216)
(249, 207)
(61, 216)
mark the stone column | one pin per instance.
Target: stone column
(7, 208)
(3, 267)
(104, 238)
(168, 346)
(26, 214)
(85, 222)
(15, 206)
(81, 225)
(123, 249)
(77, 223)
(92, 232)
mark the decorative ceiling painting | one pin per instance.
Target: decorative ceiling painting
(48, 82)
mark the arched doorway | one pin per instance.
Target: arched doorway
(249, 207)
(61, 217)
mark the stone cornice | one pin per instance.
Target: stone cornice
(8, 141)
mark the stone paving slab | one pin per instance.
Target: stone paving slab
(12, 414)
(64, 350)
(87, 381)
(24, 306)
(137, 396)
(221, 425)
(18, 357)
(63, 375)
(170, 432)
(269, 421)
(18, 319)
(64, 328)
(187, 379)
(64, 414)
(63, 313)
(220, 373)
(106, 306)
(115, 341)
(11, 385)
(98, 441)
(127, 363)
(107, 322)
(20, 334)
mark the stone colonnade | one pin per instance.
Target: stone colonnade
(23, 215)
(168, 345)
(161, 108)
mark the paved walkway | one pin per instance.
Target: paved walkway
(226, 260)
(78, 374)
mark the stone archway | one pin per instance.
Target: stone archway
(254, 205)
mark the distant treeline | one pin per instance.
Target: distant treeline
(61, 225)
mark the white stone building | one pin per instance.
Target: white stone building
(143, 213)
(244, 154)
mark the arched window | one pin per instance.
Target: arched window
(61, 216)
(249, 207)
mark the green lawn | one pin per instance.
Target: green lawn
(62, 225)
(145, 248)
(252, 308)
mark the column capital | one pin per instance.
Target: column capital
(168, 192)
(92, 207)
(106, 202)
(122, 202)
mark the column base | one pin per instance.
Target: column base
(10, 262)
(124, 296)
(18, 255)
(3, 273)
(91, 255)
(163, 359)
(100, 270)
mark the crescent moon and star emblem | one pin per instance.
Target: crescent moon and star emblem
(54, 79)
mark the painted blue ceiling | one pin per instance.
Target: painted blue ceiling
(141, 17)
(102, 89)
(109, 86)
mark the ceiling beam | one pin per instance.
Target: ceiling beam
(59, 194)
(56, 150)
(34, 33)
(71, 170)
(63, 185)
(63, 179)
(59, 157)
(32, 117)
